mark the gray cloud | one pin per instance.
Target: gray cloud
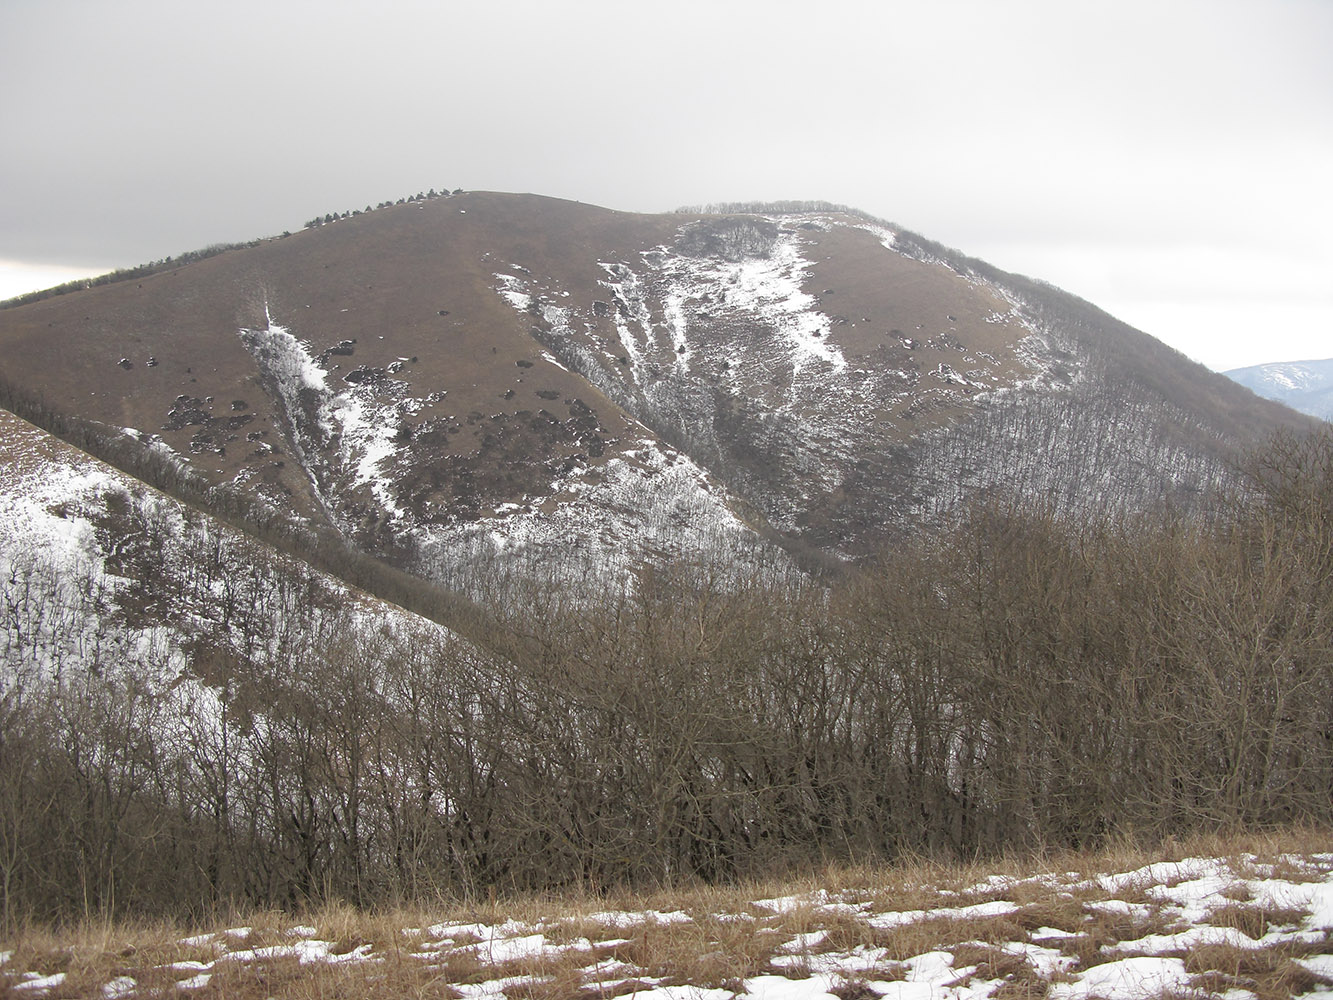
(140, 129)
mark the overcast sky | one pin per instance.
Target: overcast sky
(1168, 160)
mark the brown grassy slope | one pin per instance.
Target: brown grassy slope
(417, 280)
(409, 281)
(1235, 413)
(380, 279)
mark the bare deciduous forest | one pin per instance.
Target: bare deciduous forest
(1011, 679)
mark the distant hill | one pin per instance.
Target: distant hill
(1306, 386)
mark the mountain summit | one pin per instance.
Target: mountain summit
(491, 542)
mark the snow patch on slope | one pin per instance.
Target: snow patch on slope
(101, 575)
(318, 414)
(718, 346)
(768, 288)
(366, 446)
(886, 236)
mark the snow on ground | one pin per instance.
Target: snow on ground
(767, 289)
(99, 571)
(362, 417)
(981, 942)
(649, 502)
(886, 236)
(1293, 376)
(58, 579)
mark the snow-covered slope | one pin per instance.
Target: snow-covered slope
(102, 575)
(1306, 386)
(714, 341)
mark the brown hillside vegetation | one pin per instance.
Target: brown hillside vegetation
(777, 540)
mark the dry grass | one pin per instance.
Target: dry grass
(857, 989)
(1061, 911)
(1269, 973)
(1255, 920)
(726, 939)
(992, 963)
(707, 952)
(1107, 928)
(96, 953)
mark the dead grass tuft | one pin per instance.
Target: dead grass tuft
(706, 952)
(1104, 929)
(1238, 892)
(1269, 973)
(942, 932)
(1254, 920)
(844, 932)
(1064, 913)
(855, 989)
(619, 988)
(1022, 988)
(990, 963)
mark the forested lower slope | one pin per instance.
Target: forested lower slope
(1015, 678)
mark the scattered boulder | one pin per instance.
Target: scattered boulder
(364, 376)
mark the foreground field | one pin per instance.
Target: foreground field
(1233, 920)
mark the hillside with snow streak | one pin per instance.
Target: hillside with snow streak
(485, 386)
(100, 573)
(156, 667)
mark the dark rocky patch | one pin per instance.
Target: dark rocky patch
(187, 411)
(732, 238)
(364, 376)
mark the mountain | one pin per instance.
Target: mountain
(1306, 386)
(482, 386)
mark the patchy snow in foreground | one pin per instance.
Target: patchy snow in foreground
(1200, 927)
